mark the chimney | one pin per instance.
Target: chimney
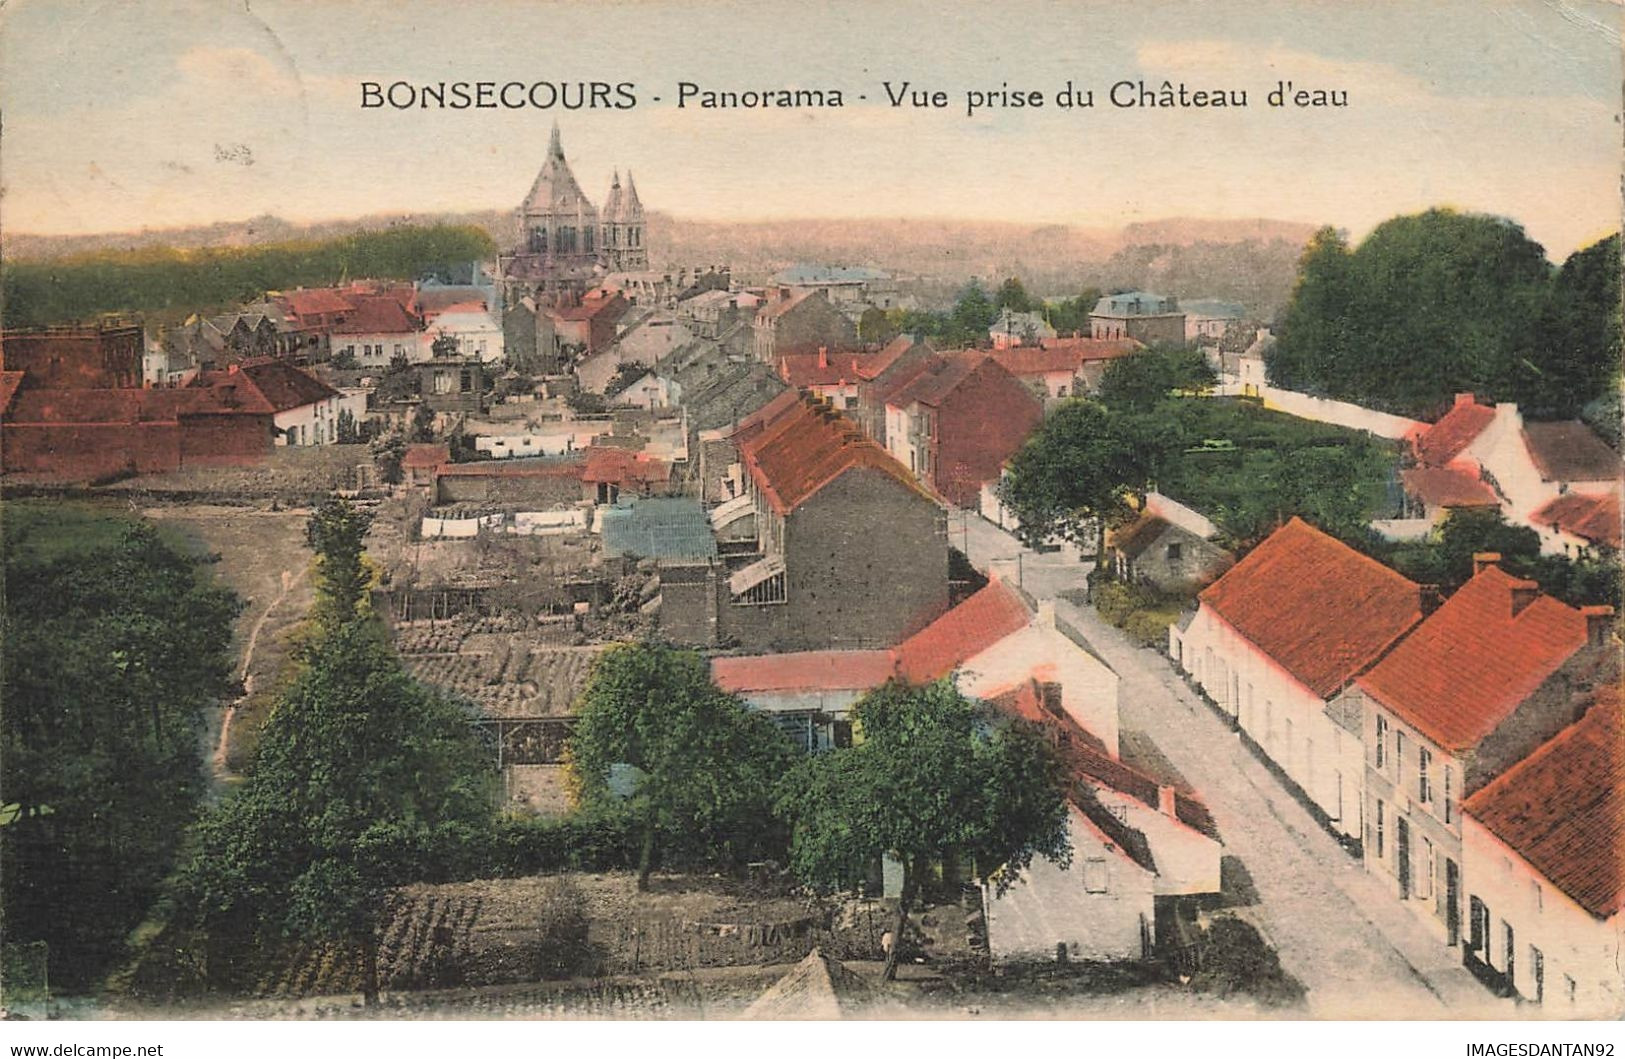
(1463, 399)
(1484, 560)
(1167, 802)
(1431, 598)
(1523, 594)
(823, 356)
(1599, 622)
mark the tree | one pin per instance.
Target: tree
(361, 777)
(1013, 296)
(388, 452)
(1428, 305)
(930, 780)
(972, 315)
(444, 347)
(1578, 358)
(422, 429)
(348, 430)
(1072, 314)
(1144, 379)
(115, 644)
(336, 532)
(876, 325)
(1084, 466)
(702, 766)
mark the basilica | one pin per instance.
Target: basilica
(567, 245)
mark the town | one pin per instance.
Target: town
(542, 626)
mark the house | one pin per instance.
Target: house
(1142, 316)
(377, 330)
(711, 313)
(1062, 367)
(1476, 687)
(1579, 524)
(826, 516)
(1526, 465)
(1207, 319)
(958, 422)
(81, 434)
(996, 640)
(897, 363)
(95, 357)
(834, 377)
(651, 390)
(306, 411)
(1431, 492)
(1543, 856)
(1278, 638)
(809, 695)
(610, 472)
(1090, 356)
(583, 328)
(475, 330)
(422, 463)
(843, 285)
(1153, 551)
(1012, 329)
(1101, 907)
(793, 320)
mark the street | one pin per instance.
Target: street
(1336, 928)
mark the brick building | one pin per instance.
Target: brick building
(93, 357)
(799, 321)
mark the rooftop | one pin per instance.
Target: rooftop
(658, 528)
(804, 448)
(967, 630)
(1570, 452)
(1562, 809)
(1447, 487)
(1317, 607)
(1464, 669)
(1594, 517)
(1455, 430)
(805, 671)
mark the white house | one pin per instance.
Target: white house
(651, 391)
(1101, 907)
(1279, 636)
(475, 329)
(306, 411)
(1543, 851)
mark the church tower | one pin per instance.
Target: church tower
(624, 249)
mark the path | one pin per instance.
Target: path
(289, 581)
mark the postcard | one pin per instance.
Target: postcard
(844, 511)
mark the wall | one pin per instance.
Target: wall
(1572, 941)
(866, 566)
(1321, 758)
(1338, 413)
(1051, 905)
(1188, 862)
(979, 427)
(1198, 562)
(537, 491)
(88, 359)
(1042, 652)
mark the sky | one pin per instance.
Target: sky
(120, 116)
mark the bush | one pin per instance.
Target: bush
(1236, 959)
(1149, 628)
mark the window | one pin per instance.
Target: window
(1382, 814)
(1509, 949)
(1381, 742)
(1568, 987)
(1478, 920)
(1424, 789)
(1174, 551)
(1094, 875)
(1447, 794)
(1399, 753)
(1424, 885)
(1539, 896)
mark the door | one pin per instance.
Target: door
(1452, 900)
(1402, 849)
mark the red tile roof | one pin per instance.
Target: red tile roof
(1317, 607)
(969, 629)
(422, 456)
(1570, 452)
(607, 464)
(816, 369)
(592, 307)
(283, 385)
(1447, 487)
(942, 375)
(889, 354)
(1086, 757)
(315, 302)
(795, 455)
(777, 308)
(1092, 349)
(805, 671)
(1562, 809)
(1461, 672)
(377, 314)
(1445, 440)
(1595, 517)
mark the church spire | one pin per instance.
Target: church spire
(629, 199)
(554, 148)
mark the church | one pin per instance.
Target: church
(566, 244)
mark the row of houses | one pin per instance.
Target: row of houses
(1428, 736)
